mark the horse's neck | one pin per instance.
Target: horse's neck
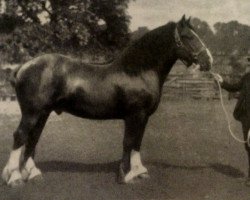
(154, 51)
(164, 70)
(134, 65)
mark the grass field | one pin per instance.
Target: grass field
(186, 148)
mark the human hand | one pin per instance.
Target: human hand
(217, 77)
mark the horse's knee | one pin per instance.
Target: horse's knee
(20, 138)
(128, 143)
(21, 135)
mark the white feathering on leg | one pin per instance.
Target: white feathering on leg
(31, 168)
(136, 166)
(11, 171)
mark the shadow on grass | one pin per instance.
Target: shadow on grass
(164, 164)
(66, 166)
(227, 170)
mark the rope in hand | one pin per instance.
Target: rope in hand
(227, 116)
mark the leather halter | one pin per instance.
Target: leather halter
(180, 44)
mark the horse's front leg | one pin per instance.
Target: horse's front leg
(131, 164)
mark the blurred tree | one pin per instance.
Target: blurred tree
(205, 32)
(238, 68)
(73, 25)
(232, 37)
(139, 33)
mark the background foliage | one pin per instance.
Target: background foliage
(72, 26)
(30, 27)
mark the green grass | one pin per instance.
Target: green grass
(186, 143)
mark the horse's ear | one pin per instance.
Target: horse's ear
(182, 22)
(189, 20)
(183, 18)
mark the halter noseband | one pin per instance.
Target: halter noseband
(180, 44)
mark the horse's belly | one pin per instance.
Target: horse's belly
(93, 108)
(94, 112)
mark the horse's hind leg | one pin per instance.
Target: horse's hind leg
(29, 170)
(11, 173)
(131, 165)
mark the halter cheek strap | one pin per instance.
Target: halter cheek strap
(180, 44)
(177, 38)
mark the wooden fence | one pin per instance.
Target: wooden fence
(191, 85)
(8, 97)
(6, 92)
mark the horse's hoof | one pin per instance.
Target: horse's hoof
(35, 174)
(16, 179)
(123, 181)
(25, 174)
(17, 183)
(132, 175)
(144, 176)
(121, 176)
(37, 178)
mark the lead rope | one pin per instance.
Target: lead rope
(227, 117)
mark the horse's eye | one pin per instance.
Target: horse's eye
(195, 59)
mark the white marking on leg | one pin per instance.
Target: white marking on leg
(136, 166)
(14, 178)
(30, 164)
(14, 160)
(11, 171)
(30, 169)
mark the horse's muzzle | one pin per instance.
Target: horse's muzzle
(205, 67)
(205, 60)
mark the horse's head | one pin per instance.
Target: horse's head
(189, 47)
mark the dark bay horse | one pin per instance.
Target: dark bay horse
(129, 88)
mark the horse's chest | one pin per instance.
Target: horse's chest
(140, 92)
(141, 98)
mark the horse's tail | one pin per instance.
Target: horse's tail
(11, 75)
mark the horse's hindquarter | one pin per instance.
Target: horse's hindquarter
(34, 82)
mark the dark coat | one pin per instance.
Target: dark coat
(242, 108)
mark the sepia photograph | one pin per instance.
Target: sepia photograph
(124, 99)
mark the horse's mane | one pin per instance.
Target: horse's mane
(149, 50)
